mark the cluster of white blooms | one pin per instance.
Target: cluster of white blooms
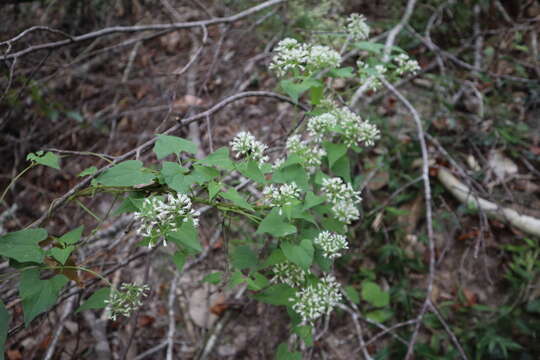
(357, 27)
(405, 64)
(331, 243)
(354, 129)
(321, 125)
(316, 300)
(288, 273)
(294, 56)
(343, 199)
(343, 121)
(370, 74)
(125, 300)
(157, 217)
(322, 57)
(310, 155)
(283, 195)
(245, 144)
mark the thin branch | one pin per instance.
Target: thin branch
(448, 331)
(397, 29)
(59, 328)
(429, 220)
(137, 28)
(172, 322)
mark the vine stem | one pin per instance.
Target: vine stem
(15, 180)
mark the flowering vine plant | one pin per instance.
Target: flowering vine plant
(306, 202)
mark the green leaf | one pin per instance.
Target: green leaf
(294, 90)
(48, 159)
(346, 72)
(305, 332)
(219, 158)
(186, 236)
(279, 294)
(379, 315)
(5, 319)
(275, 225)
(242, 257)
(294, 173)
(175, 177)
(259, 281)
(321, 260)
(75, 115)
(284, 354)
(129, 204)
(203, 174)
(61, 254)
(312, 200)
(179, 259)
(96, 300)
(38, 295)
(342, 168)
(316, 94)
(352, 294)
(213, 278)
(237, 199)
(251, 170)
(237, 278)
(127, 173)
(334, 152)
(23, 245)
(276, 257)
(369, 46)
(166, 145)
(71, 237)
(88, 171)
(301, 255)
(213, 189)
(373, 294)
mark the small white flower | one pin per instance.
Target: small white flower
(346, 211)
(331, 243)
(335, 190)
(245, 144)
(405, 64)
(313, 301)
(354, 129)
(319, 126)
(158, 217)
(310, 155)
(283, 195)
(125, 300)
(357, 27)
(323, 57)
(288, 273)
(293, 56)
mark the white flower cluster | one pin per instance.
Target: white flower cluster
(343, 199)
(357, 27)
(370, 74)
(344, 121)
(316, 300)
(295, 56)
(125, 300)
(283, 195)
(157, 217)
(331, 243)
(289, 273)
(311, 156)
(405, 64)
(245, 144)
(354, 129)
(321, 125)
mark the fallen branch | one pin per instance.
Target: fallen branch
(523, 222)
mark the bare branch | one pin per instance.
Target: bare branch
(136, 28)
